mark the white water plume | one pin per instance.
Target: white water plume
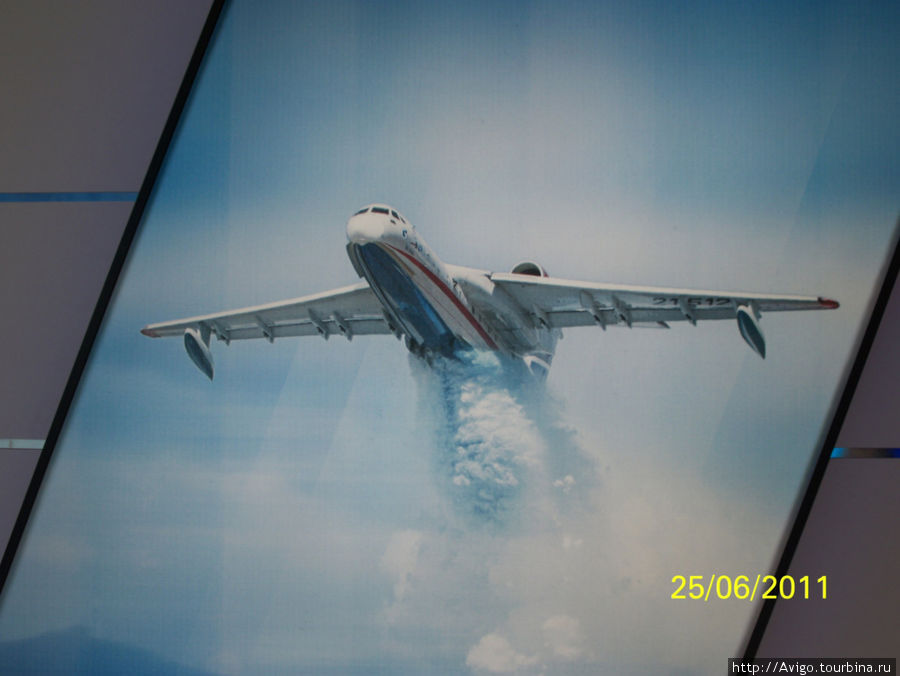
(497, 436)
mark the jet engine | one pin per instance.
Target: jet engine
(748, 325)
(529, 268)
(197, 345)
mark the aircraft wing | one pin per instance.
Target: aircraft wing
(560, 303)
(348, 311)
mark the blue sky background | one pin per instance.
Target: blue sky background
(300, 512)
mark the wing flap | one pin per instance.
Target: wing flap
(351, 310)
(568, 303)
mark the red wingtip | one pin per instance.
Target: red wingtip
(829, 304)
(150, 333)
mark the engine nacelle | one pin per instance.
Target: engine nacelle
(750, 331)
(529, 268)
(197, 346)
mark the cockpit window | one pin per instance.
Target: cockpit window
(361, 211)
(379, 210)
(395, 214)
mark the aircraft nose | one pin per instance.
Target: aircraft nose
(365, 228)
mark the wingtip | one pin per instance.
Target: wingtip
(150, 333)
(828, 303)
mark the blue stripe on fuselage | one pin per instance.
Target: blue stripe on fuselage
(406, 299)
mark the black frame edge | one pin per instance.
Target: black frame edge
(803, 511)
(109, 285)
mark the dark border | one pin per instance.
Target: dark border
(828, 445)
(109, 285)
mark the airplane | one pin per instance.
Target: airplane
(442, 309)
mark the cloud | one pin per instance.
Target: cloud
(494, 653)
(562, 642)
(565, 483)
(562, 635)
(400, 558)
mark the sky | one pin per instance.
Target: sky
(335, 505)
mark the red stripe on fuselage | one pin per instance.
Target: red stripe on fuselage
(459, 306)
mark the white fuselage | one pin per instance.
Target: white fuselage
(427, 300)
